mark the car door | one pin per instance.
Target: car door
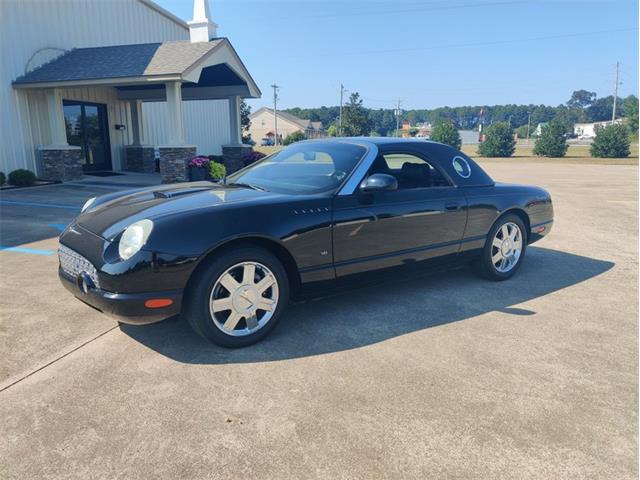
(424, 218)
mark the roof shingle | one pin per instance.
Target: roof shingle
(168, 58)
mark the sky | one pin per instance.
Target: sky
(429, 53)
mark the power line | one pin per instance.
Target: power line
(475, 44)
(414, 10)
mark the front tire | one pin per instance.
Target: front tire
(504, 249)
(237, 298)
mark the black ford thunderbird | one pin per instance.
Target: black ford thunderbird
(227, 256)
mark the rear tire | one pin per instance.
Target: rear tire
(237, 297)
(504, 250)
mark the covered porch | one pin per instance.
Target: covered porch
(126, 77)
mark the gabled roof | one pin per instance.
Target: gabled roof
(137, 64)
(300, 122)
(147, 59)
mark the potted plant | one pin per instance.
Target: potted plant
(198, 168)
(217, 171)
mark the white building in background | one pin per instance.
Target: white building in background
(588, 130)
(102, 84)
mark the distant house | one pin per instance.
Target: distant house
(588, 130)
(424, 130)
(263, 125)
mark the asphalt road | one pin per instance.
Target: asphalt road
(447, 376)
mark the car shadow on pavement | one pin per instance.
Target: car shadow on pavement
(363, 316)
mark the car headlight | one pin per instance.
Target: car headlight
(134, 237)
(87, 204)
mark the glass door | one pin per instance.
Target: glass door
(86, 125)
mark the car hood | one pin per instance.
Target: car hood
(111, 214)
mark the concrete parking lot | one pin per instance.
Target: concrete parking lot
(443, 376)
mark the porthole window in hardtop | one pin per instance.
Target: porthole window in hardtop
(461, 166)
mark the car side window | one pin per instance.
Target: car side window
(409, 170)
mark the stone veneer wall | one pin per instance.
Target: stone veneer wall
(61, 164)
(232, 155)
(140, 158)
(173, 163)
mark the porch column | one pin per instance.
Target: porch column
(234, 119)
(59, 161)
(174, 112)
(138, 156)
(175, 156)
(235, 151)
(56, 118)
(137, 124)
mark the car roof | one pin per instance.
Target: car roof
(436, 152)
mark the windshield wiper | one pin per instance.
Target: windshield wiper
(248, 185)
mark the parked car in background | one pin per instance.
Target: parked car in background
(229, 256)
(266, 142)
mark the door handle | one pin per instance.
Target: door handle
(451, 206)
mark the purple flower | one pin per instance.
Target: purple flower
(199, 162)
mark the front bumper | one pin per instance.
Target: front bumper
(126, 307)
(539, 231)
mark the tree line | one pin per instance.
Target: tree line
(583, 107)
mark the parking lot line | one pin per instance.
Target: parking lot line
(36, 204)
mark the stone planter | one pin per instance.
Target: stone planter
(197, 174)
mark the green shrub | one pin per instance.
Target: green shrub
(611, 142)
(3, 178)
(445, 132)
(552, 141)
(22, 178)
(294, 137)
(217, 170)
(499, 141)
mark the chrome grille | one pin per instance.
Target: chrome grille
(72, 263)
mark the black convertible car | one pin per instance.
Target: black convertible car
(228, 256)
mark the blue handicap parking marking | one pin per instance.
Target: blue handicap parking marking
(58, 226)
(32, 251)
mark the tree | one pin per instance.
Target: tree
(245, 121)
(332, 131)
(445, 132)
(294, 137)
(611, 142)
(499, 141)
(355, 120)
(552, 141)
(630, 109)
(581, 99)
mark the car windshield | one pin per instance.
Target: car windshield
(302, 168)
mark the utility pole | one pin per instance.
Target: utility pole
(528, 126)
(615, 93)
(342, 91)
(398, 119)
(275, 112)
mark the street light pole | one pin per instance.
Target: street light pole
(342, 90)
(275, 112)
(528, 126)
(615, 93)
(398, 119)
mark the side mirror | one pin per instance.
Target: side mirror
(379, 182)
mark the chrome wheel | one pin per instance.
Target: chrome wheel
(243, 299)
(506, 247)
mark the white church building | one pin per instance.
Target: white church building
(109, 85)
